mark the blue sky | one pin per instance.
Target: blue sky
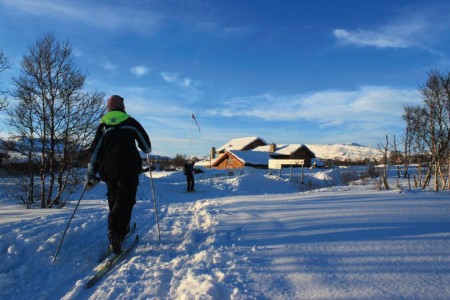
(288, 71)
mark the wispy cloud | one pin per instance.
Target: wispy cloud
(108, 66)
(139, 71)
(217, 29)
(372, 38)
(178, 80)
(418, 27)
(140, 100)
(105, 16)
(142, 17)
(372, 106)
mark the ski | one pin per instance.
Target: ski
(109, 251)
(110, 263)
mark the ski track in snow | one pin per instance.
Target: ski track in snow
(247, 236)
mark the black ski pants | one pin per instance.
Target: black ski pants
(190, 182)
(121, 199)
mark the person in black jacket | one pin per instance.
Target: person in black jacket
(116, 159)
(189, 172)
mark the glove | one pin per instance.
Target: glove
(91, 179)
(91, 182)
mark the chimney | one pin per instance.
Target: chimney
(213, 152)
(272, 148)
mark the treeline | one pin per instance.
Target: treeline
(425, 142)
(172, 164)
(427, 133)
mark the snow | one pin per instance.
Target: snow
(252, 157)
(280, 149)
(351, 151)
(246, 236)
(239, 143)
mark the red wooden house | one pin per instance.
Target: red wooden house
(259, 157)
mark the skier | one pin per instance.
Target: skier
(117, 160)
(189, 172)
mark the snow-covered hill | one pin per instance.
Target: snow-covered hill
(351, 151)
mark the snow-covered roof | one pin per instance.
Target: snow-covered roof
(207, 162)
(261, 155)
(239, 143)
(252, 157)
(281, 149)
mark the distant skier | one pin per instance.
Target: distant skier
(189, 172)
(115, 157)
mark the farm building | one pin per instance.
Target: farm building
(259, 157)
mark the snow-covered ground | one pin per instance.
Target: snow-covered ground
(244, 236)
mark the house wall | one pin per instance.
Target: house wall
(301, 153)
(229, 162)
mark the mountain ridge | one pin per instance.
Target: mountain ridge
(353, 151)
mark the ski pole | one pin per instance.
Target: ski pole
(153, 196)
(68, 223)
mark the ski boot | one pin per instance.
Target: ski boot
(115, 242)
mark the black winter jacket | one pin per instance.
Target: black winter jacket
(113, 152)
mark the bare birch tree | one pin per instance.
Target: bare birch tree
(54, 117)
(5, 64)
(435, 110)
(428, 130)
(384, 148)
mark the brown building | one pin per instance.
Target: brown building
(259, 156)
(235, 159)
